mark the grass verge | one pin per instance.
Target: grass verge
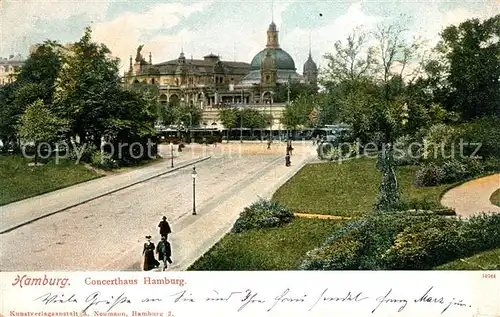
(495, 197)
(488, 260)
(347, 189)
(279, 248)
(20, 181)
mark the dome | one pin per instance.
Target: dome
(268, 61)
(310, 65)
(283, 60)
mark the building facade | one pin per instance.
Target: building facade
(8, 67)
(211, 83)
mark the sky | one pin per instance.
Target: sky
(235, 30)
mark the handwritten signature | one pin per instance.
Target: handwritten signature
(249, 297)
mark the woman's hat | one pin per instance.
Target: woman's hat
(148, 237)
(164, 218)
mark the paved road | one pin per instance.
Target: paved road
(473, 197)
(106, 233)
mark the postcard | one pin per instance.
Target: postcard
(271, 157)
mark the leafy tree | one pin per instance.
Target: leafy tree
(297, 113)
(296, 89)
(472, 52)
(254, 119)
(229, 118)
(9, 114)
(39, 124)
(87, 89)
(42, 68)
(351, 60)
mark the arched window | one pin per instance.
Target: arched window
(152, 81)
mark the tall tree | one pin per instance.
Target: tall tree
(472, 51)
(87, 88)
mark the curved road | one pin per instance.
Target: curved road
(473, 197)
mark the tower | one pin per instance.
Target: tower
(272, 36)
(310, 70)
(268, 70)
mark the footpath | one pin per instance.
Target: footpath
(197, 234)
(472, 198)
(23, 212)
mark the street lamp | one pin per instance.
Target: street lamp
(193, 174)
(171, 155)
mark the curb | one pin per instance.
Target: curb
(104, 194)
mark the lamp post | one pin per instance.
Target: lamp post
(193, 174)
(171, 155)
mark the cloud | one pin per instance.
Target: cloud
(18, 19)
(324, 37)
(126, 32)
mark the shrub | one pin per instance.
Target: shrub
(429, 174)
(262, 214)
(409, 240)
(86, 155)
(104, 162)
(454, 170)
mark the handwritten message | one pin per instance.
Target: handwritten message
(232, 293)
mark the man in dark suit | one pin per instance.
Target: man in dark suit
(164, 251)
(164, 228)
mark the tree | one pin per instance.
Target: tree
(296, 89)
(87, 89)
(351, 59)
(472, 52)
(254, 119)
(298, 112)
(39, 124)
(229, 117)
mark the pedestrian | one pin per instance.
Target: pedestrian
(164, 228)
(149, 255)
(269, 144)
(164, 252)
(287, 159)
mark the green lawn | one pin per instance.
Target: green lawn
(495, 197)
(350, 188)
(488, 260)
(19, 181)
(279, 248)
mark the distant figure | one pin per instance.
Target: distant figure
(164, 228)
(289, 147)
(287, 159)
(164, 252)
(269, 144)
(149, 255)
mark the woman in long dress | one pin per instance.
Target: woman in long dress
(149, 255)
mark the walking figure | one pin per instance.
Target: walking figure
(289, 147)
(164, 228)
(164, 252)
(287, 159)
(149, 255)
(269, 144)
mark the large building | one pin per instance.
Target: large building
(8, 67)
(210, 83)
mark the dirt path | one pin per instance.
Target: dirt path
(473, 197)
(320, 216)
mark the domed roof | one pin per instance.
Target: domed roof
(268, 61)
(283, 60)
(310, 65)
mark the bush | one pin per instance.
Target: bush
(454, 170)
(86, 155)
(429, 175)
(409, 240)
(262, 214)
(104, 162)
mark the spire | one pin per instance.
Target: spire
(182, 46)
(309, 42)
(150, 59)
(130, 64)
(272, 10)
